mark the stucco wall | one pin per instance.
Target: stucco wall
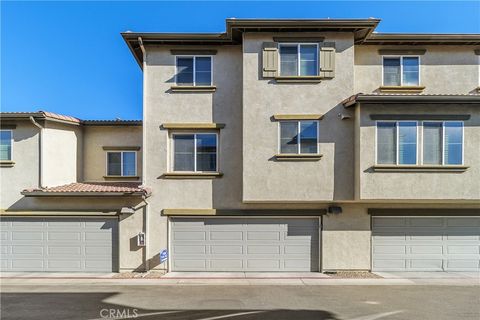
(24, 173)
(346, 239)
(62, 153)
(163, 106)
(97, 137)
(264, 178)
(443, 69)
(415, 185)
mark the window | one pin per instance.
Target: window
(299, 137)
(5, 145)
(443, 142)
(397, 142)
(401, 71)
(195, 152)
(194, 71)
(298, 59)
(122, 163)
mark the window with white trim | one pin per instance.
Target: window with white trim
(401, 71)
(443, 142)
(195, 152)
(194, 71)
(299, 137)
(298, 59)
(6, 145)
(397, 142)
(122, 163)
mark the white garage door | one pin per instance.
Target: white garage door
(59, 244)
(426, 243)
(244, 244)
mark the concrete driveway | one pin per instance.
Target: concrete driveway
(266, 302)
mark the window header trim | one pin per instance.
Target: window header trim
(456, 117)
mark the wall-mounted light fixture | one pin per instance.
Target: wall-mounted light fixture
(334, 209)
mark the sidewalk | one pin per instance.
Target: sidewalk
(240, 278)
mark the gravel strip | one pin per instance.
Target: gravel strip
(353, 275)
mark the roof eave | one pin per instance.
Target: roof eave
(421, 39)
(384, 99)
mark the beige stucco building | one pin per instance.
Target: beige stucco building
(279, 145)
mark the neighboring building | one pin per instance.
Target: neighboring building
(281, 145)
(71, 196)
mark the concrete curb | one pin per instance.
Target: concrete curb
(222, 281)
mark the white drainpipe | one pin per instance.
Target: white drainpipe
(40, 152)
(144, 167)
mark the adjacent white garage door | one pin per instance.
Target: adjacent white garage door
(244, 244)
(426, 243)
(59, 244)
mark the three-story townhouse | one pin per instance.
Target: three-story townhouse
(308, 145)
(278, 145)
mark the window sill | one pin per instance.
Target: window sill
(7, 164)
(122, 177)
(298, 157)
(192, 175)
(299, 79)
(400, 89)
(193, 88)
(419, 168)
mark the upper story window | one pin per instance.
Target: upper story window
(298, 59)
(299, 137)
(442, 142)
(6, 145)
(122, 163)
(194, 71)
(195, 152)
(401, 71)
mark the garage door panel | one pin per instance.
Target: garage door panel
(226, 264)
(426, 222)
(422, 249)
(60, 244)
(267, 235)
(226, 235)
(64, 250)
(445, 243)
(187, 235)
(27, 264)
(463, 249)
(463, 222)
(389, 222)
(29, 250)
(460, 264)
(426, 264)
(246, 244)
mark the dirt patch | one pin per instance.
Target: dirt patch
(352, 275)
(137, 275)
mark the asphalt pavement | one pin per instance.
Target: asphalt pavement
(265, 302)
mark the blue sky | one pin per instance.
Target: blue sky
(68, 57)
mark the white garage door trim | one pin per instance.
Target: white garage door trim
(59, 244)
(426, 243)
(315, 265)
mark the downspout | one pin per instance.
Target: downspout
(144, 161)
(40, 151)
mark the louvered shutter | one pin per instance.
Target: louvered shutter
(270, 60)
(327, 60)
